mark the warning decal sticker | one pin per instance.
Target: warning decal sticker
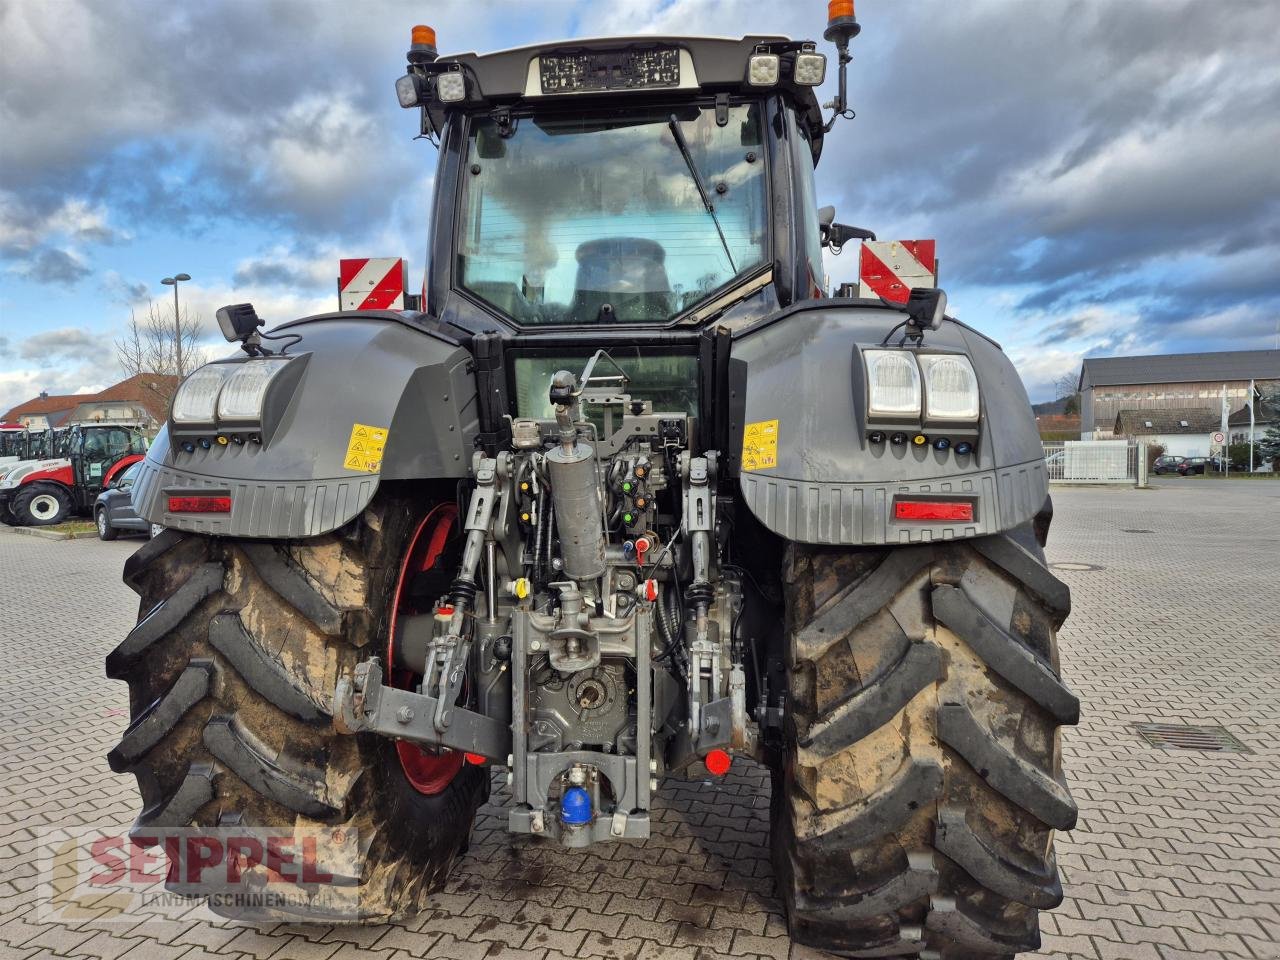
(760, 445)
(364, 449)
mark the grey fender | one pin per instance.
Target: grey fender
(374, 370)
(829, 484)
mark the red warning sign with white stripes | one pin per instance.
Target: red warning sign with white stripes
(371, 283)
(890, 268)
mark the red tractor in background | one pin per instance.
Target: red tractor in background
(84, 460)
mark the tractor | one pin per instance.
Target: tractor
(632, 496)
(18, 443)
(13, 443)
(66, 471)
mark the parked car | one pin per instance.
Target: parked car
(1167, 464)
(1193, 465)
(113, 510)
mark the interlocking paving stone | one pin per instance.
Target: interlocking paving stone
(1177, 855)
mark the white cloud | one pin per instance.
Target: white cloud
(24, 226)
(26, 383)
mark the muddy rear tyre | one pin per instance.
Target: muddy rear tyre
(231, 671)
(916, 806)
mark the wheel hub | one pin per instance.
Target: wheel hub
(429, 772)
(44, 507)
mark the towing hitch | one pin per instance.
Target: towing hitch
(364, 704)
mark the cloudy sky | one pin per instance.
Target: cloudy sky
(1101, 177)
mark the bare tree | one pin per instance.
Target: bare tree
(1065, 386)
(149, 346)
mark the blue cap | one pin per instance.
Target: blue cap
(575, 808)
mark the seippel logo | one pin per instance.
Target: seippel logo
(108, 875)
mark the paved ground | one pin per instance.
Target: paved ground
(1177, 854)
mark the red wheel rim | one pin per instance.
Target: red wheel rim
(428, 772)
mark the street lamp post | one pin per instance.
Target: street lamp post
(177, 321)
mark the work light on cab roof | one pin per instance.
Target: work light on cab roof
(644, 64)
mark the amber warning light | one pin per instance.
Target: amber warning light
(839, 10)
(424, 36)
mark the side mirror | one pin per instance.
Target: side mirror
(836, 235)
(826, 216)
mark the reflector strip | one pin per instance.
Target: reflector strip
(199, 504)
(932, 510)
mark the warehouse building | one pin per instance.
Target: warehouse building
(1169, 383)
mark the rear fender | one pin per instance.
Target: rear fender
(826, 483)
(377, 398)
(119, 467)
(55, 471)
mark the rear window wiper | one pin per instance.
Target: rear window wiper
(683, 146)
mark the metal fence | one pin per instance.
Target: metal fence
(1096, 461)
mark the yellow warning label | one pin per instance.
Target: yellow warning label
(364, 449)
(760, 445)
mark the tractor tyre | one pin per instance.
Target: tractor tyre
(105, 530)
(915, 806)
(40, 505)
(231, 671)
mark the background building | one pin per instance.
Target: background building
(142, 401)
(1184, 432)
(1173, 383)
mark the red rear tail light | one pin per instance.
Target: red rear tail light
(199, 504)
(947, 510)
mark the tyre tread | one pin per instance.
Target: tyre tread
(1008, 657)
(163, 618)
(943, 880)
(874, 705)
(1017, 779)
(265, 674)
(293, 784)
(159, 719)
(287, 580)
(1000, 871)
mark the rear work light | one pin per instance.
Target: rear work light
(893, 384)
(197, 396)
(943, 510)
(199, 504)
(763, 69)
(810, 68)
(950, 388)
(451, 87)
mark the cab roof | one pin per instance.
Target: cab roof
(707, 65)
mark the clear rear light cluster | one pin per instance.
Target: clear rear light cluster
(910, 392)
(951, 388)
(197, 397)
(904, 385)
(231, 392)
